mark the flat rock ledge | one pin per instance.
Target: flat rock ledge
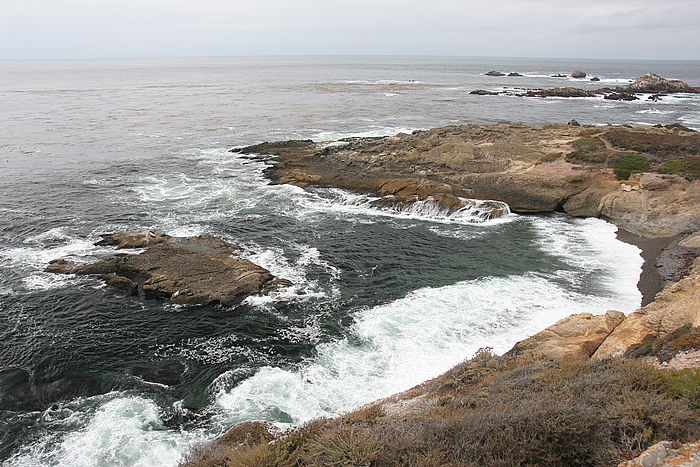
(198, 270)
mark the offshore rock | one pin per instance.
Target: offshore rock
(189, 271)
(677, 305)
(621, 96)
(654, 83)
(574, 338)
(578, 74)
(561, 92)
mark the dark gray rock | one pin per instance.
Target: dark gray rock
(189, 271)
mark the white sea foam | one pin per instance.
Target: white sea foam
(591, 244)
(379, 131)
(42, 248)
(395, 346)
(295, 270)
(341, 202)
(119, 430)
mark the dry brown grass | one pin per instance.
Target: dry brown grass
(503, 412)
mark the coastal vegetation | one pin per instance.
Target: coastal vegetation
(497, 411)
(628, 163)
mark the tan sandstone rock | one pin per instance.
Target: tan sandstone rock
(574, 338)
(665, 205)
(676, 306)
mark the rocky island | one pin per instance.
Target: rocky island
(186, 270)
(589, 390)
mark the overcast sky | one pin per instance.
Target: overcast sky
(50, 29)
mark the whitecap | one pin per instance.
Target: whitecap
(114, 429)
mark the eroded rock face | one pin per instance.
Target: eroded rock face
(189, 271)
(662, 206)
(676, 306)
(574, 338)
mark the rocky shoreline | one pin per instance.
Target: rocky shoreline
(532, 169)
(486, 403)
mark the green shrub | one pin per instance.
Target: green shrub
(684, 384)
(590, 151)
(686, 166)
(627, 164)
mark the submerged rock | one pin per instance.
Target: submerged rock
(189, 271)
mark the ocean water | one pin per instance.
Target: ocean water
(382, 299)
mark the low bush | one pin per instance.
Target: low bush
(686, 166)
(661, 147)
(590, 151)
(627, 164)
(505, 413)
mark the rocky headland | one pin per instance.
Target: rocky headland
(588, 390)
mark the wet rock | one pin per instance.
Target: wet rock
(494, 73)
(514, 74)
(621, 96)
(574, 123)
(595, 79)
(189, 271)
(578, 74)
(561, 92)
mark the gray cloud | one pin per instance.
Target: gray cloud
(544, 28)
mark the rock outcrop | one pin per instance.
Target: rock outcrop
(676, 306)
(650, 83)
(520, 165)
(561, 92)
(574, 338)
(667, 454)
(189, 271)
